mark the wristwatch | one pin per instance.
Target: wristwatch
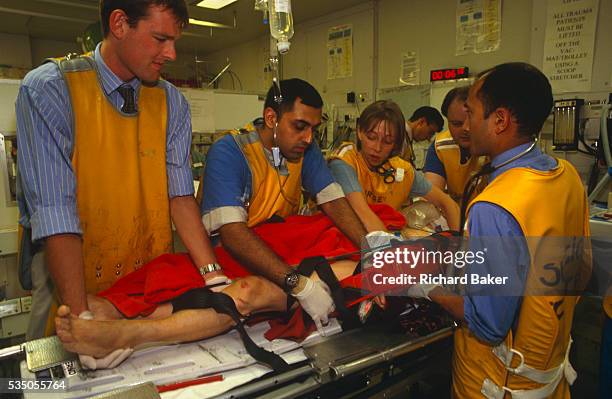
(209, 268)
(292, 278)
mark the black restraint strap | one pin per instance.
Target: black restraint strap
(325, 272)
(203, 298)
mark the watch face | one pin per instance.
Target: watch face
(291, 280)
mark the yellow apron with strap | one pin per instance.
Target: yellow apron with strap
(272, 192)
(375, 190)
(457, 174)
(119, 162)
(542, 337)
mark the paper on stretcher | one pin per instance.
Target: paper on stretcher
(167, 364)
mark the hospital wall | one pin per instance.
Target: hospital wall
(27, 52)
(385, 29)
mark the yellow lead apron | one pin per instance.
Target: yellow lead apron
(272, 193)
(457, 174)
(119, 162)
(373, 185)
(542, 335)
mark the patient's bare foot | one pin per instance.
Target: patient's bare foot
(88, 337)
(102, 308)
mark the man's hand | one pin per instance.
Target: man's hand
(214, 278)
(379, 239)
(316, 300)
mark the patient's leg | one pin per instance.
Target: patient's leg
(99, 337)
(102, 308)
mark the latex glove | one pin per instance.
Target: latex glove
(316, 300)
(421, 290)
(109, 361)
(377, 240)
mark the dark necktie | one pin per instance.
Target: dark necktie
(129, 105)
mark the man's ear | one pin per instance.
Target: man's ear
(502, 118)
(118, 23)
(270, 117)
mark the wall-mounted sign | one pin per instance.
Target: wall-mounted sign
(569, 44)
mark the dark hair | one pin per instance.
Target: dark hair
(431, 115)
(388, 111)
(139, 9)
(457, 93)
(522, 89)
(291, 89)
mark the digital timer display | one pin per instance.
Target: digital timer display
(448, 74)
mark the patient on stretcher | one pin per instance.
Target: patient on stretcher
(149, 306)
(111, 330)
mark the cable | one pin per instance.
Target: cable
(237, 78)
(282, 191)
(581, 129)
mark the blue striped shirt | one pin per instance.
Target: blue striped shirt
(45, 136)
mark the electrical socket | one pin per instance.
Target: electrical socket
(363, 97)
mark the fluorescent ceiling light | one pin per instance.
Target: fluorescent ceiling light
(199, 22)
(215, 4)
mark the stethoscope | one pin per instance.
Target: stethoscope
(278, 99)
(388, 174)
(277, 156)
(475, 181)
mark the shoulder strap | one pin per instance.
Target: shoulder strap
(74, 63)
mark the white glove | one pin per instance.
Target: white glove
(421, 290)
(109, 361)
(316, 300)
(377, 241)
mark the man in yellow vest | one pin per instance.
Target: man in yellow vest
(421, 126)
(253, 176)
(104, 159)
(512, 345)
(448, 164)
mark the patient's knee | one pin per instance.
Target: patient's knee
(253, 294)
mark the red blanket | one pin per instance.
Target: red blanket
(168, 276)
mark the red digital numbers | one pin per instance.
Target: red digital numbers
(448, 74)
(437, 75)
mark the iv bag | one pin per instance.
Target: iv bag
(281, 23)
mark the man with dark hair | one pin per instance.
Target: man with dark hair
(104, 159)
(507, 107)
(254, 175)
(135, 10)
(448, 164)
(424, 122)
